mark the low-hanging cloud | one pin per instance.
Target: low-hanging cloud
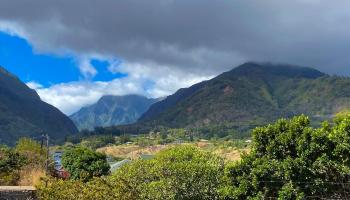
(198, 37)
(70, 97)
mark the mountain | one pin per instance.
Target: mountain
(112, 110)
(252, 94)
(23, 114)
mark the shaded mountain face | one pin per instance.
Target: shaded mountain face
(252, 94)
(23, 114)
(112, 110)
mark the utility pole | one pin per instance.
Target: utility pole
(46, 137)
(47, 154)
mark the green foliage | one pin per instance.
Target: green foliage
(15, 162)
(178, 173)
(124, 138)
(10, 163)
(84, 163)
(288, 160)
(97, 141)
(95, 189)
(32, 151)
(291, 160)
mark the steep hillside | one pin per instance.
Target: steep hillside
(22, 113)
(252, 94)
(112, 110)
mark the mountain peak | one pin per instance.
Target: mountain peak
(291, 71)
(7, 73)
(112, 110)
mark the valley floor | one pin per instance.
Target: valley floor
(132, 151)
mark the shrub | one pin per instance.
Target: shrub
(94, 189)
(32, 151)
(83, 163)
(183, 172)
(10, 164)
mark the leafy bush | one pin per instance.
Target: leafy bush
(183, 172)
(32, 151)
(94, 189)
(83, 163)
(24, 164)
(10, 164)
(291, 160)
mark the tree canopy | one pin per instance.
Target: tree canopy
(84, 163)
(291, 160)
(182, 172)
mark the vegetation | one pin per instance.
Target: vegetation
(288, 160)
(22, 165)
(182, 172)
(34, 152)
(291, 160)
(83, 163)
(229, 150)
(95, 189)
(179, 173)
(97, 141)
(10, 164)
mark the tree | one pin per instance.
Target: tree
(182, 172)
(10, 164)
(291, 160)
(83, 163)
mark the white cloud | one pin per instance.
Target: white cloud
(148, 80)
(34, 85)
(86, 68)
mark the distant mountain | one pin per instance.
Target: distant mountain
(112, 110)
(250, 95)
(23, 114)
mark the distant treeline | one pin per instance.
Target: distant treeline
(230, 130)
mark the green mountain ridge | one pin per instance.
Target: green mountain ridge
(252, 94)
(23, 114)
(112, 110)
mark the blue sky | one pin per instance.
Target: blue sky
(18, 57)
(60, 79)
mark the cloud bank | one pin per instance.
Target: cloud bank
(167, 44)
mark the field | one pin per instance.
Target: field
(133, 151)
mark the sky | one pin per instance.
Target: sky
(73, 52)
